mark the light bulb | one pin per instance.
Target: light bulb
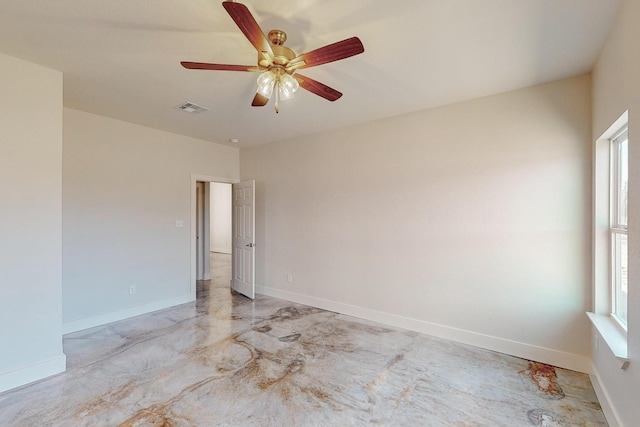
(266, 81)
(288, 86)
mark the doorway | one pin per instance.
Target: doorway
(201, 228)
(213, 236)
(242, 232)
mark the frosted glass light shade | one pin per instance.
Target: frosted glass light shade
(287, 87)
(266, 81)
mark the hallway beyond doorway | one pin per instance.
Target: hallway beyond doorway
(220, 267)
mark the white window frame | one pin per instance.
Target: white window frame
(604, 322)
(618, 229)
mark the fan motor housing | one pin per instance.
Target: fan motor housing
(281, 54)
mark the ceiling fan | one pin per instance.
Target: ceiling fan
(278, 64)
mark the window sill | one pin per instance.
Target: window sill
(613, 335)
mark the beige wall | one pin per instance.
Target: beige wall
(30, 230)
(616, 88)
(469, 221)
(125, 186)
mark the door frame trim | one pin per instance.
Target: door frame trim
(192, 233)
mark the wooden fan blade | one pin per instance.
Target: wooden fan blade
(333, 52)
(318, 88)
(220, 67)
(248, 25)
(259, 101)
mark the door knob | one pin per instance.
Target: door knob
(251, 245)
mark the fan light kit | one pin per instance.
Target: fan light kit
(278, 64)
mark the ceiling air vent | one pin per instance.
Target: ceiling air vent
(190, 107)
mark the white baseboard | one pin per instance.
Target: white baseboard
(33, 372)
(561, 359)
(103, 319)
(603, 397)
(222, 250)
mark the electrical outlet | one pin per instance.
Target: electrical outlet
(132, 290)
(290, 278)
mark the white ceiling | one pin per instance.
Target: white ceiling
(120, 58)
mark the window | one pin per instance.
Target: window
(619, 171)
(610, 218)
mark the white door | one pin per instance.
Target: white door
(244, 244)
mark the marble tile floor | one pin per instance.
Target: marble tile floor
(228, 361)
